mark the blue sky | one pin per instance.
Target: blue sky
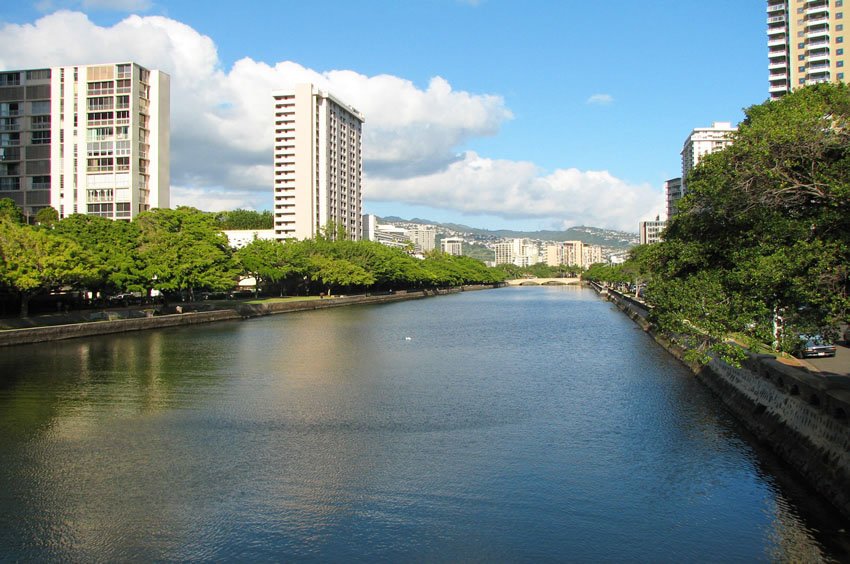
(545, 113)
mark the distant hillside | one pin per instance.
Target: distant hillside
(589, 235)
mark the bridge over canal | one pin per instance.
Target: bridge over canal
(542, 281)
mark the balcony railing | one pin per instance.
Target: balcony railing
(818, 21)
(818, 33)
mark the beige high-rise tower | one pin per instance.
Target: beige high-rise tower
(806, 43)
(317, 164)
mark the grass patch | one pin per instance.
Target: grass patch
(283, 299)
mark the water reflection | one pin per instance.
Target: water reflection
(519, 424)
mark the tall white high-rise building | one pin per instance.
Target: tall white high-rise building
(805, 41)
(317, 164)
(88, 139)
(703, 141)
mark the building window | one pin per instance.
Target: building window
(801, 57)
(841, 76)
(103, 210)
(839, 64)
(839, 51)
(839, 15)
(839, 39)
(41, 137)
(801, 69)
(10, 79)
(10, 139)
(10, 183)
(801, 81)
(41, 107)
(801, 45)
(41, 74)
(41, 122)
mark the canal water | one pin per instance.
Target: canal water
(519, 424)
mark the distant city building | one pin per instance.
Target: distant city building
(650, 231)
(386, 234)
(423, 238)
(238, 238)
(368, 226)
(88, 139)
(673, 189)
(317, 164)
(805, 42)
(503, 253)
(574, 253)
(617, 258)
(591, 254)
(452, 246)
(519, 252)
(554, 254)
(703, 141)
(392, 236)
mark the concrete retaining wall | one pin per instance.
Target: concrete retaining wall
(801, 416)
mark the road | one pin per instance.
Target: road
(839, 364)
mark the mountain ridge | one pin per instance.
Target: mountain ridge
(583, 233)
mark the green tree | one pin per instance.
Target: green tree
(35, 260)
(267, 261)
(183, 250)
(245, 219)
(764, 231)
(113, 246)
(47, 216)
(339, 272)
(10, 210)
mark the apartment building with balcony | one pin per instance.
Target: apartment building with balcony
(88, 139)
(703, 141)
(806, 43)
(317, 164)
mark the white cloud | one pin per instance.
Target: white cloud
(600, 100)
(46, 6)
(221, 126)
(516, 189)
(215, 199)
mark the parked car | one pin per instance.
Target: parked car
(814, 346)
(124, 299)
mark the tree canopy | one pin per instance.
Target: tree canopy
(761, 244)
(182, 251)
